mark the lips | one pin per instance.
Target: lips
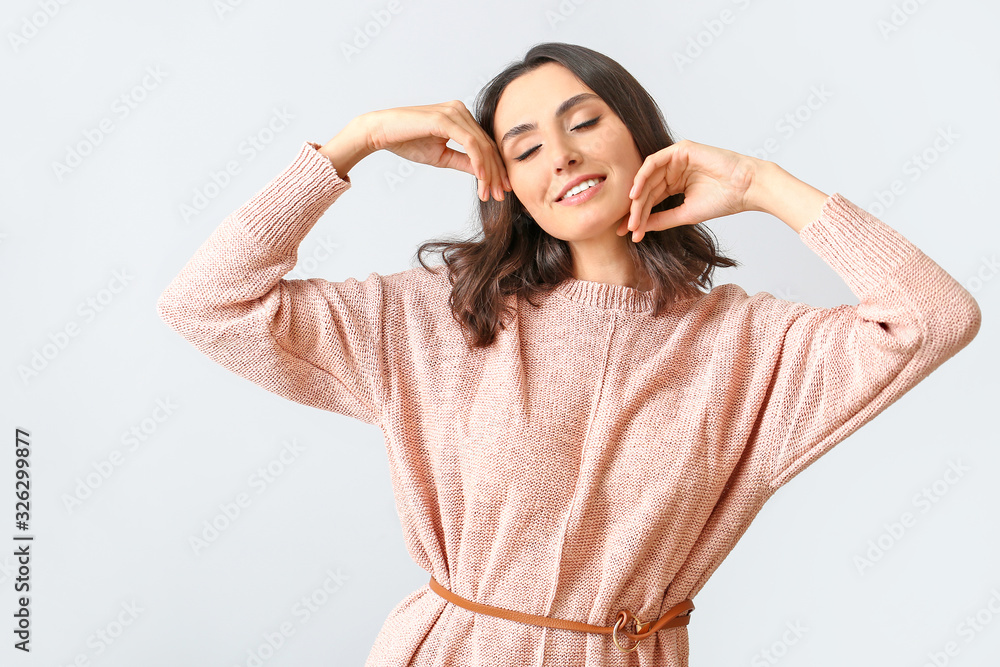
(576, 181)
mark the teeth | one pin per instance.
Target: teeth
(581, 187)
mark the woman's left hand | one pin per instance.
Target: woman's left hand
(715, 183)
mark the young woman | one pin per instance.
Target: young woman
(578, 432)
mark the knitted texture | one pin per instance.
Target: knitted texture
(594, 457)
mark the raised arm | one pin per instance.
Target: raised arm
(834, 369)
(313, 341)
(817, 374)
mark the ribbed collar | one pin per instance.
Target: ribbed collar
(607, 296)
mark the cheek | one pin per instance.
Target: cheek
(528, 190)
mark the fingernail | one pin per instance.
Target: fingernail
(631, 193)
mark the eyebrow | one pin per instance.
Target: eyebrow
(561, 111)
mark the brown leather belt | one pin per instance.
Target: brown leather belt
(676, 616)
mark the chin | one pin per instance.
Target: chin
(586, 231)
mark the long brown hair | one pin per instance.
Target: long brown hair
(516, 256)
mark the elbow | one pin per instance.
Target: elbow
(161, 307)
(165, 307)
(958, 325)
(971, 318)
(174, 309)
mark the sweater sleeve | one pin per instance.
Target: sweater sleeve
(834, 369)
(311, 341)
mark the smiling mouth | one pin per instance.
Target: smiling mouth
(599, 181)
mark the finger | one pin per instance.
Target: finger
(647, 206)
(646, 203)
(456, 128)
(458, 160)
(506, 177)
(470, 161)
(637, 183)
(643, 223)
(477, 141)
(660, 165)
(505, 185)
(665, 219)
(487, 163)
(496, 179)
(639, 230)
(496, 172)
(642, 195)
(634, 210)
(633, 207)
(647, 170)
(454, 159)
(500, 177)
(649, 177)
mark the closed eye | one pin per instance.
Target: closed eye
(526, 154)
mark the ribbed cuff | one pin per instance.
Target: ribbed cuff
(284, 211)
(862, 249)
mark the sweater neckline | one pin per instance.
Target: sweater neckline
(608, 296)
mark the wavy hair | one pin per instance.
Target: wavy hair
(512, 254)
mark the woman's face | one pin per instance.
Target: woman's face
(544, 153)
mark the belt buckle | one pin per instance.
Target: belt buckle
(638, 626)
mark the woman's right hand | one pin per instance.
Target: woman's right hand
(421, 134)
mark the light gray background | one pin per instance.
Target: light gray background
(331, 509)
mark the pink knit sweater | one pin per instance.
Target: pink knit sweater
(595, 457)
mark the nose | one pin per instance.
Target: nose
(564, 154)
